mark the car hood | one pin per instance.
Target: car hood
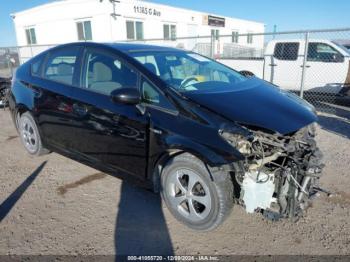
(257, 103)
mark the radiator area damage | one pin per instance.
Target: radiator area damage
(280, 172)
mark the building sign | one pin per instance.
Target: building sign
(146, 10)
(216, 21)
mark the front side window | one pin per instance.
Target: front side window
(321, 52)
(169, 32)
(151, 95)
(286, 51)
(186, 71)
(31, 36)
(84, 31)
(134, 30)
(61, 65)
(105, 73)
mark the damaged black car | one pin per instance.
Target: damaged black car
(199, 133)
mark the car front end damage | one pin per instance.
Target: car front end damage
(279, 174)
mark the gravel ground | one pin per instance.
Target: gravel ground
(51, 205)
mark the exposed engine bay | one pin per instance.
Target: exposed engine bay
(280, 173)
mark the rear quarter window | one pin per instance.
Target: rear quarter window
(62, 64)
(286, 51)
(36, 65)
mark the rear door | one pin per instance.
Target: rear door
(109, 133)
(53, 103)
(283, 67)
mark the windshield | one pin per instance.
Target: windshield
(187, 71)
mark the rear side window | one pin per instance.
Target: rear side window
(36, 66)
(286, 51)
(61, 65)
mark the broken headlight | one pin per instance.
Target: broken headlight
(238, 141)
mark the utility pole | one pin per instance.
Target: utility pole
(274, 31)
(114, 3)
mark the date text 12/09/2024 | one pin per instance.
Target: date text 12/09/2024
(173, 258)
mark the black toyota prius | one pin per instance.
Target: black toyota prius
(199, 133)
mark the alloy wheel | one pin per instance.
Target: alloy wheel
(29, 135)
(189, 195)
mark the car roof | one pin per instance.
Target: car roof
(292, 40)
(137, 47)
(126, 47)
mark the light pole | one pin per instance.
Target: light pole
(114, 4)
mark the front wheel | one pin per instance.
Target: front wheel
(192, 197)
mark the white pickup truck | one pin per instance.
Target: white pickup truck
(327, 67)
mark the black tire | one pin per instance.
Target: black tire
(30, 135)
(220, 193)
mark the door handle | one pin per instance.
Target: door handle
(272, 64)
(80, 110)
(306, 66)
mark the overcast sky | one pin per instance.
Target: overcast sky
(287, 15)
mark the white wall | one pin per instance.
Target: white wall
(55, 23)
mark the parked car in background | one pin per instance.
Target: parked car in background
(7, 57)
(5, 84)
(327, 66)
(198, 132)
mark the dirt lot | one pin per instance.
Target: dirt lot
(52, 205)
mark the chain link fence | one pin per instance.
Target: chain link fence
(12, 57)
(312, 64)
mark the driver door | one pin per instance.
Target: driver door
(326, 68)
(110, 133)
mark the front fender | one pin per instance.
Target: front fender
(211, 156)
(175, 144)
(164, 147)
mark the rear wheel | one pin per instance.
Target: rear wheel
(192, 197)
(30, 136)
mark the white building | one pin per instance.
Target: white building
(111, 20)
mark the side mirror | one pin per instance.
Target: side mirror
(126, 95)
(338, 58)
